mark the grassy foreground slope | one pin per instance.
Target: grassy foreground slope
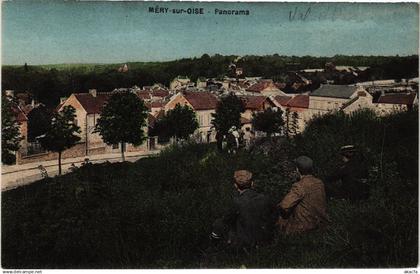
(157, 212)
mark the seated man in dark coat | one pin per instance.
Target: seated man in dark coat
(250, 221)
(352, 176)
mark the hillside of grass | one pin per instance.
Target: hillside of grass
(158, 212)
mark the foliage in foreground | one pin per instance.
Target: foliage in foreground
(10, 134)
(157, 212)
(179, 122)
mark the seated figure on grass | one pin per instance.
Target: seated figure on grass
(250, 221)
(349, 181)
(304, 207)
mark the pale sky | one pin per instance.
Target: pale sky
(50, 32)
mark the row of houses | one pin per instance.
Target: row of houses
(261, 94)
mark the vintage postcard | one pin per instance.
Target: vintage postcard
(209, 135)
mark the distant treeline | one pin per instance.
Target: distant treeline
(50, 82)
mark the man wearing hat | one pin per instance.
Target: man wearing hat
(304, 208)
(250, 221)
(352, 174)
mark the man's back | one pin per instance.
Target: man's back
(254, 217)
(305, 206)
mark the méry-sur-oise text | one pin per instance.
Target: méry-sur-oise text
(196, 11)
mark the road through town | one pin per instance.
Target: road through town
(18, 175)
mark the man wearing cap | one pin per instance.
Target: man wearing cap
(250, 221)
(304, 208)
(352, 174)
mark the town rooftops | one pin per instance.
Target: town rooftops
(398, 98)
(282, 100)
(253, 102)
(299, 101)
(160, 93)
(201, 100)
(157, 104)
(144, 95)
(93, 104)
(335, 91)
(262, 85)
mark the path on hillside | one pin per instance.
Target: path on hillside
(18, 175)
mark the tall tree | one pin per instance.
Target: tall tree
(179, 122)
(62, 133)
(228, 114)
(10, 134)
(269, 121)
(39, 120)
(122, 120)
(294, 127)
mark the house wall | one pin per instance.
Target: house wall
(23, 130)
(204, 118)
(78, 150)
(304, 115)
(178, 99)
(247, 114)
(322, 105)
(361, 102)
(80, 115)
(385, 109)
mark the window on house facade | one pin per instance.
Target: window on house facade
(75, 122)
(114, 146)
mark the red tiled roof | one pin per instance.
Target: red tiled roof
(260, 86)
(59, 106)
(92, 104)
(400, 99)
(299, 101)
(280, 85)
(157, 104)
(144, 95)
(253, 102)
(160, 114)
(19, 114)
(201, 100)
(282, 100)
(27, 108)
(160, 93)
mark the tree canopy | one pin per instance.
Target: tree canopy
(39, 120)
(228, 113)
(179, 122)
(122, 120)
(62, 132)
(269, 121)
(10, 134)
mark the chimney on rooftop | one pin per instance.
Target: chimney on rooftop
(92, 92)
